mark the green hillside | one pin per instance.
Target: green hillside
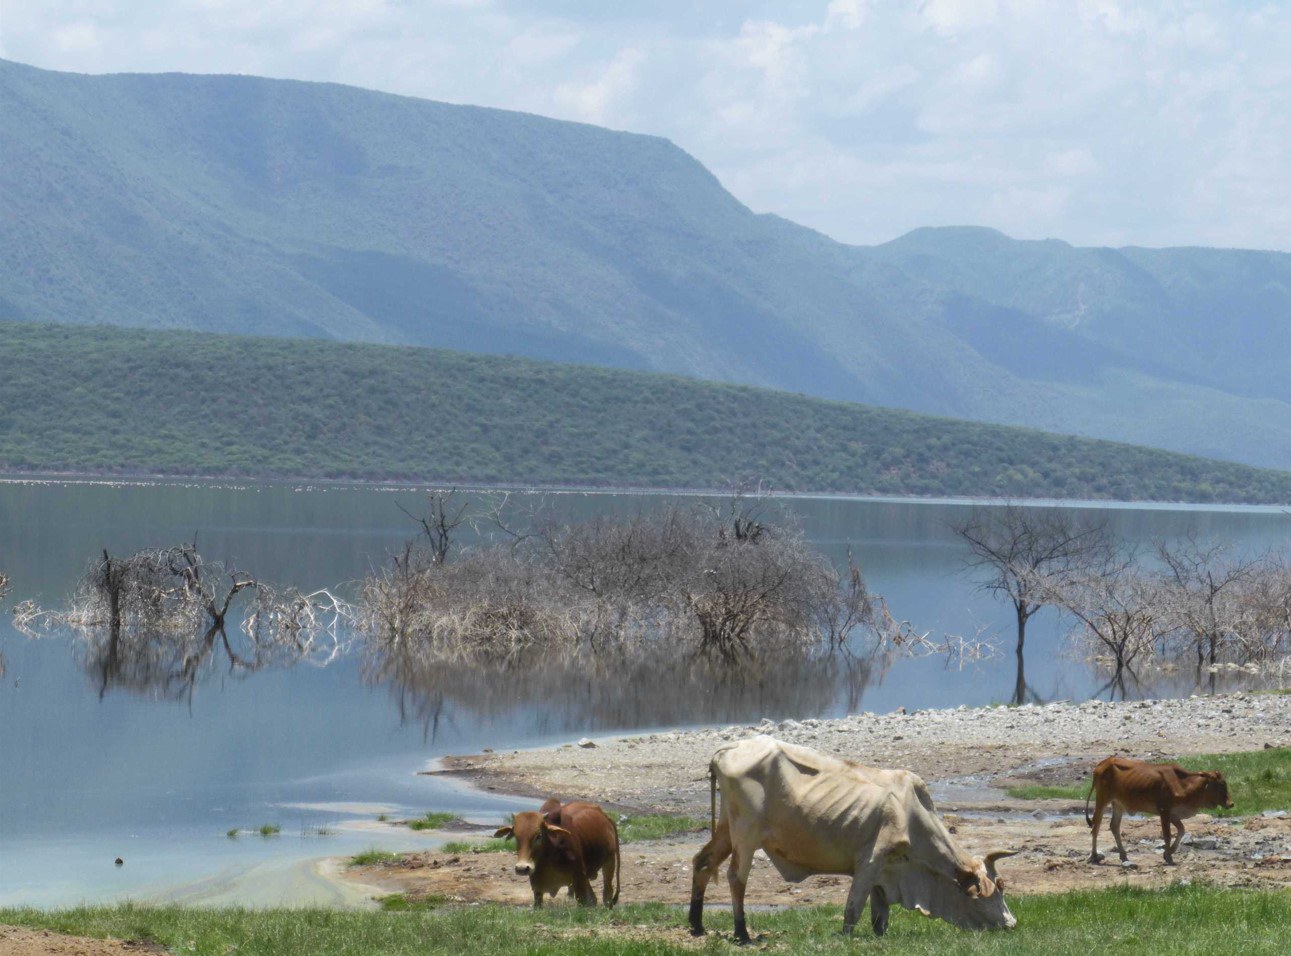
(272, 207)
(125, 401)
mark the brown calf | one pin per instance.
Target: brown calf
(567, 845)
(1165, 789)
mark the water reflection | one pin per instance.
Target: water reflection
(597, 692)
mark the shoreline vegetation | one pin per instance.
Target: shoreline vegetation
(86, 400)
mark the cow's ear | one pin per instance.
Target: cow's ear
(551, 827)
(504, 832)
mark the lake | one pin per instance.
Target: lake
(159, 782)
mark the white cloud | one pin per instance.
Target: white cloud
(596, 101)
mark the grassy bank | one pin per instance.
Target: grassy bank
(1172, 922)
(123, 401)
(1258, 780)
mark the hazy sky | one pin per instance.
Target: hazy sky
(1159, 122)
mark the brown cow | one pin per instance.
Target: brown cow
(1162, 788)
(567, 845)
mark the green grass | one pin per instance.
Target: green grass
(372, 857)
(656, 826)
(432, 821)
(233, 834)
(1179, 921)
(1037, 792)
(269, 829)
(491, 845)
(1257, 780)
(86, 400)
(398, 903)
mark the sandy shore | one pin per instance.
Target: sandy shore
(967, 755)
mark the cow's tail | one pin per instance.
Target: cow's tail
(712, 800)
(1089, 821)
(618, 864)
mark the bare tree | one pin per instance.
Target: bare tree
(1204, 585)
(440, 522)
(1261, 632)
(1028, 556)
(1121, 615)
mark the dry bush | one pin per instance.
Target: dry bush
(677, 583)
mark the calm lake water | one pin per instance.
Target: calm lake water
(159, 782)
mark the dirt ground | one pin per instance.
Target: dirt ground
(967, 756)
(15, 941)
(1053, 849)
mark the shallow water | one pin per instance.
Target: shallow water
(159, 782)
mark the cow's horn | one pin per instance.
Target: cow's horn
(997, 855)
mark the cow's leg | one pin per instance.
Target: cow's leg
(537, 895)
(1117, 814)
(1165, 837)
(738, 876)
(1178, 837)
(607, 882)
(704, 867)
(1099, 807)
(581, 889)
(864, 886)
(878, 910)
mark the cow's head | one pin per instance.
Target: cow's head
(1216, 793)
(533, 836)
(972, 899)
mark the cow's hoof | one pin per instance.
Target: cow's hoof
(1096, 858)
(1169, 862)
(697, 931)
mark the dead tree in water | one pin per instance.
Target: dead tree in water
(1029, 556)
(151, 621)
(1121, 615)
(1203, 586)
(440, 523)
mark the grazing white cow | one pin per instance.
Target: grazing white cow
(813, 813)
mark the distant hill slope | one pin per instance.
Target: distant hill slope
(273, 207)
(128, 401)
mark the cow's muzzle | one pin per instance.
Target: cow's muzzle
(524, 869)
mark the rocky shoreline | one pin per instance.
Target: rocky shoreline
(667, 771)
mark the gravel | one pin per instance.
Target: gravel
(668, 770)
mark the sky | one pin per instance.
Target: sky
(1101, 122)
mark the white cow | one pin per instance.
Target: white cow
(813, 813)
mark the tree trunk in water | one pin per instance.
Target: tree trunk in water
(1020, 687)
